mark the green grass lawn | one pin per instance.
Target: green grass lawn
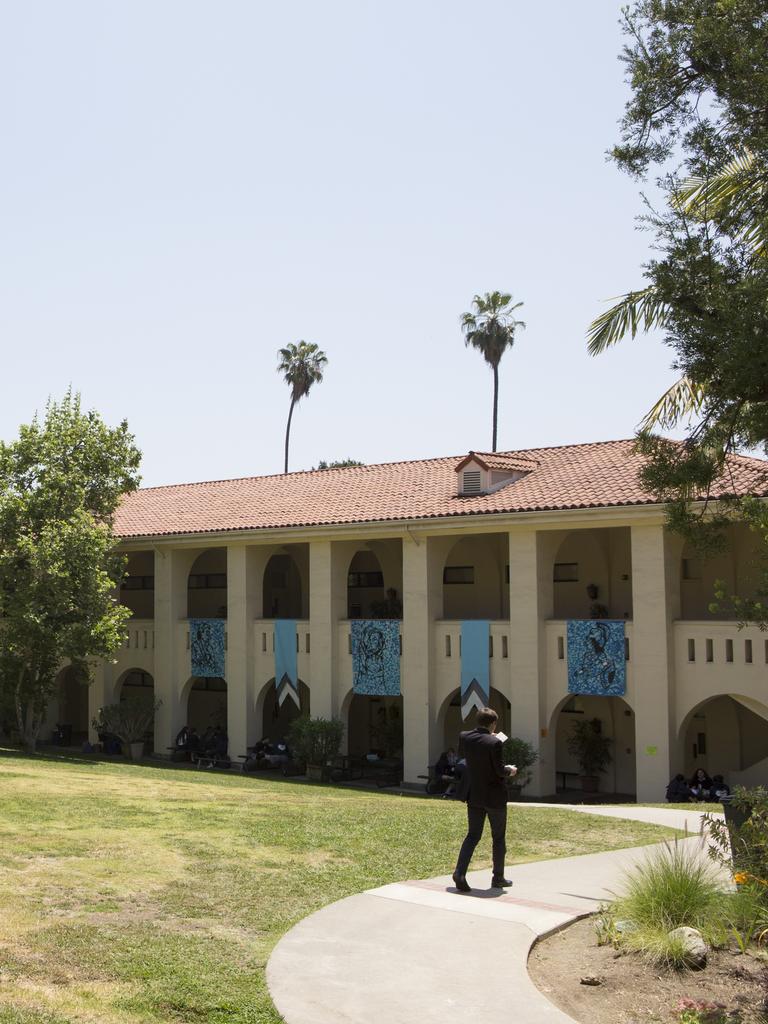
(145, 894)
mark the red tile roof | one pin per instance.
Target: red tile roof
(599, 475)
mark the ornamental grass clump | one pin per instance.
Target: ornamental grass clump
(673, 888)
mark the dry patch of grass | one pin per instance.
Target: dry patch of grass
(146, 895)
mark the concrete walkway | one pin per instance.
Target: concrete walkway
(418, 952)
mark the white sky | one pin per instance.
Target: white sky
(187, 186)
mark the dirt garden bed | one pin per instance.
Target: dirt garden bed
(632, 992)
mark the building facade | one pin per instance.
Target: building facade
(528, 541)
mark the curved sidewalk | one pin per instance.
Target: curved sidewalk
(418, 952)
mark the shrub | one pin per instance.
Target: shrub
(315, 740)
(524, 755)
(743, 843)
(674, 887)
(130, 721)
(591, 749)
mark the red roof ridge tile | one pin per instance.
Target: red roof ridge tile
(520, 453)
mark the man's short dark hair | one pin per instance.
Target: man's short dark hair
(486, 718)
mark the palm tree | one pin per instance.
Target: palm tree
(302, 366)
(490, 328)
(737, 193)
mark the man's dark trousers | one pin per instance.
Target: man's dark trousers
(497, 816)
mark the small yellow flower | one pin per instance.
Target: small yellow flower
(740, 877)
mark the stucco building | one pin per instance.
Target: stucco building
(527, 540)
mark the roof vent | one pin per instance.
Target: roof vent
(484, 473)
(471, 481)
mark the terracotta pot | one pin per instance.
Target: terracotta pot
(590, 783)
(137, 750)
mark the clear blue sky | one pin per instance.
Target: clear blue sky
(187, 186)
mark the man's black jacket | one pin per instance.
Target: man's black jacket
(484, 781)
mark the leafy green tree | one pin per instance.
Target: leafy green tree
(302, 366)
(60, 484)
(490, 328)
(697, 69)
(338, 464)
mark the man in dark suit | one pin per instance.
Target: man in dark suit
(483, 787)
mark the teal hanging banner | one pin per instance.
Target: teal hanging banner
(286, 661)
(475, 665)
(206, 646)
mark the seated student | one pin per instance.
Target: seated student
(700, 785)
(277, 753)
(720, 788)
(181, 745)
(446, 763)
(678, 791)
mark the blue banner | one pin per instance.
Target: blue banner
(475, 665)
(206, 644)
(596, 659)
(286, 667)
(376, 657)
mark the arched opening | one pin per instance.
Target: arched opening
(276, 718)
(726, 735)
(70, 709)
(475, 582)
(374, 725)
(138, 688)
(366, 595)
(207, 585)
(592, 575)
(450, 722)
(282, 590)
(206, 703)
(137, 590)
(617, 720)
(739, 566)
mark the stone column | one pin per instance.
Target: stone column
(651, 659)
(422, 603)
(242, 582)
(328, 565)
(530, 605)
(171, 667)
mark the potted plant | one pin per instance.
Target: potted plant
(524, 755)
(129, 722)
(315, 742)
(592, 751)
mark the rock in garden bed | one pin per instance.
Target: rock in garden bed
(631, 991)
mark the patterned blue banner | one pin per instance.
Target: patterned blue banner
(286, 667)
(596, 659)
(206, 643)
(475, 667)
(376, 657)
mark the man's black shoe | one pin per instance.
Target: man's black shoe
(500, 882)
(461, 883)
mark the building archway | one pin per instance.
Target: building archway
(282, 591)
(137, 687)
(374, 725)
(366, 596)
(276, 718)
(205, 700)
(617, 720)
(70, 707)
(450, 723)
(726, 735)
(475, 582)
(207, 585)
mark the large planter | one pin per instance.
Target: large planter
(137, 750)
(319, 772)
(514, 791)
(590, 783)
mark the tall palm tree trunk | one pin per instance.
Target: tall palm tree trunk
(495, 403)
(288, 433)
